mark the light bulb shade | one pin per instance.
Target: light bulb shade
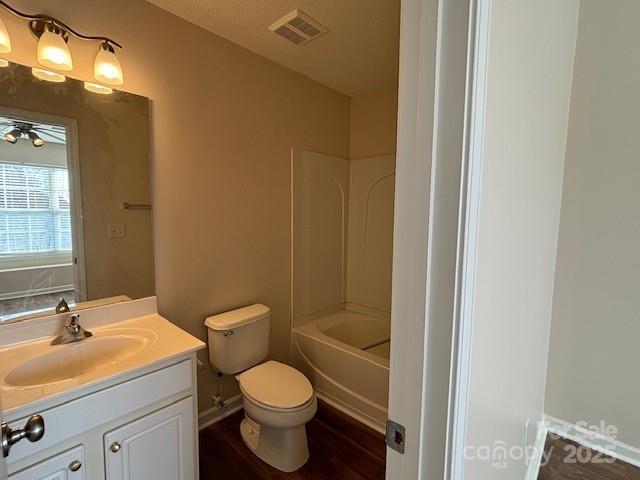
(97, 88)
(5, 41)
(13, 136)
(53, 51)
(107, 68)
(35, 139)
(47, 75)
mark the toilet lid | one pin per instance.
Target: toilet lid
(276, 385)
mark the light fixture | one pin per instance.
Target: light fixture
(3, 63)
(53, 51)
(47, 75)
(13, 136)
(106, 67)
(36, 141)
(97, 88)
(5, 40)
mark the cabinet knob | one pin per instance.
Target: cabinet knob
(32, 431)
(75, 466)
(115, 447)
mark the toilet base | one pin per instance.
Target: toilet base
(283, 448)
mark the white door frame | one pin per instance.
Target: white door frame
(475, 109)
(75, 189)
(441, 87)
(411, 218)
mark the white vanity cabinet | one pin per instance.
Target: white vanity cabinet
(144, 428)
(68, 465)
(158, 446)
(125, 411)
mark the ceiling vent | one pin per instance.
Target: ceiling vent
(298, 28)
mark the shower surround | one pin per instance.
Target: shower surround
(342, 228)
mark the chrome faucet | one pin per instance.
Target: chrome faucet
(72, 333)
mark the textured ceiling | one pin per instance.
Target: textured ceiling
(359, 54)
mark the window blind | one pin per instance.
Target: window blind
(34, 210)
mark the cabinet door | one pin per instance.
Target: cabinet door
(66, 466)
(159, 446)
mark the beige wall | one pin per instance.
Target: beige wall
(373, 123)
(529, 84)
(224, 121)
(595, 328)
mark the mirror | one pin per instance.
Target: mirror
(75, 211)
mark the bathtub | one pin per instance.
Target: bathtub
(345, 354)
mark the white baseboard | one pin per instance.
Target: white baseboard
(215, 414)
(534, 462)
(595, 441)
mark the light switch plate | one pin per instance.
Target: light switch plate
(115, 230)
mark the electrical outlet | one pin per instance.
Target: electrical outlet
(115, 230)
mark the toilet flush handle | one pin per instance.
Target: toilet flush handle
(228, 333)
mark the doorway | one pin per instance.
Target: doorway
(41, 249)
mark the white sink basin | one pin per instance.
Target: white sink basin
(64, 362)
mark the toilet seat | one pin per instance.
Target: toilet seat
(270, 408)
(276, 386)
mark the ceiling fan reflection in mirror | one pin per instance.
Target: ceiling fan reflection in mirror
(37, 134)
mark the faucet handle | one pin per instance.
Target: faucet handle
(74, 326)
(73, 332)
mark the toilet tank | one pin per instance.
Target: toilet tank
(238, 339)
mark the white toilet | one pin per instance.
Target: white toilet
(278, 399)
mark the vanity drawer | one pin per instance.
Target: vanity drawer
(89, 412)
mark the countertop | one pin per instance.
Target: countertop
(165, 343)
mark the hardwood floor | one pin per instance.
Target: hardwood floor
(340, 449)
(562, 463)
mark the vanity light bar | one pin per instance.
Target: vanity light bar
(53, 51)
(5, 40)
